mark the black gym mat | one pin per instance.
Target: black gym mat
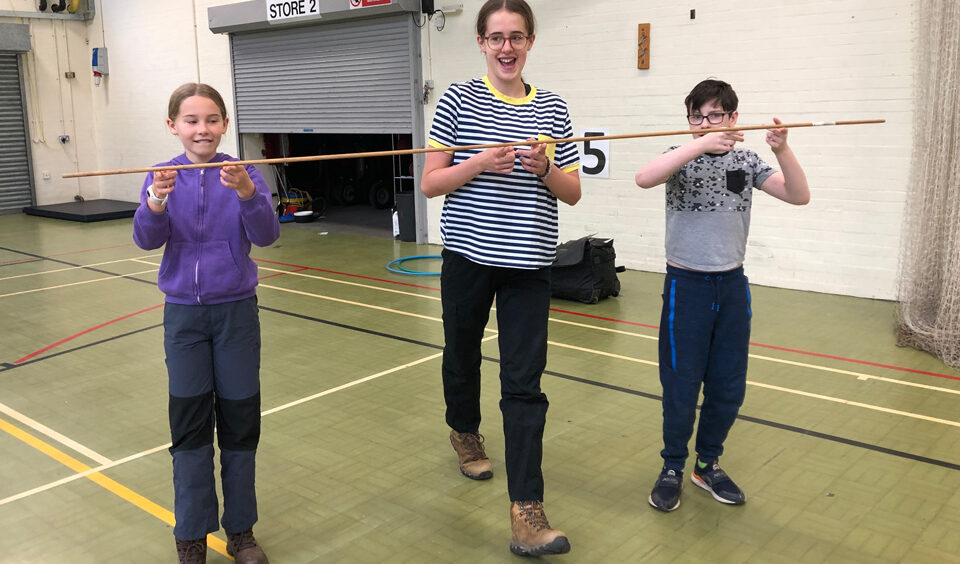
(85, 211)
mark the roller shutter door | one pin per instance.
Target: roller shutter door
(16, 190)
(344, 77)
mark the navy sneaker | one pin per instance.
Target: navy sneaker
(716, 481)
(666, 492)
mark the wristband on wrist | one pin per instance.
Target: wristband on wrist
(153, 199)
(547, 172)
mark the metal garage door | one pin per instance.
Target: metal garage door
(16, 189)
(345, 77)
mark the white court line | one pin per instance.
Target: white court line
(858, 375)
(78, 267)
(107, 464)
(44, 289)
(349, 302)
(83, 474)
(857, 404)
(368, 286)
(62, 439)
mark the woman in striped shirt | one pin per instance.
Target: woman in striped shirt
(499, 229)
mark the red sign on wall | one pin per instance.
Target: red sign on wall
(368, 3)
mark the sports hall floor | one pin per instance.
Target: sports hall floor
(847, 447)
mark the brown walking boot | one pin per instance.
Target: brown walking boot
(244, 548)
(532, 535)
(192, 551)
(474, 463)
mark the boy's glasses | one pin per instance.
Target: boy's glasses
(713, 118)
(496, 41)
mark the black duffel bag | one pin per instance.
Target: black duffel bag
(584, 270)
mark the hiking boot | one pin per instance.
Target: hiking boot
(532, 535)
(666, 492)
(244, 548)
(192, 551)
(716, 481)
(474, 463)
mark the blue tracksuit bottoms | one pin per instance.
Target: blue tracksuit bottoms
(704, 340)
(213, 363)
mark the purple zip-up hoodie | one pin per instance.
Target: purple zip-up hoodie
(207, 231)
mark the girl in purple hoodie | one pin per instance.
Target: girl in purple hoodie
(207, 218)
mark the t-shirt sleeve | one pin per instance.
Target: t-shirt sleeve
(761, 170)
(443, 132)
(567, 157)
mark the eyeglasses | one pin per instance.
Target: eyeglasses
(713, 118)
(496, 41)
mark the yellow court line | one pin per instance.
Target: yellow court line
(77, 267)
(59, 437)
(75, 283)
(106, 483)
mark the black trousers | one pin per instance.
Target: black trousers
(523, 306)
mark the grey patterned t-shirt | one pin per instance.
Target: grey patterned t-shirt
(708, 209)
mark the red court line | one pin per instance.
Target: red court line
(62, 341)
(634, 323)
(71, 337)
(346, 274)
(17, 261)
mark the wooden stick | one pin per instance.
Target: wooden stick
(463, 147)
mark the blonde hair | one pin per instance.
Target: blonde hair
(194, 89)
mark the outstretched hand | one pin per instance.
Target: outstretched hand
(236, 178)
(777, 137)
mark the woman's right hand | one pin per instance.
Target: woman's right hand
(497, 159)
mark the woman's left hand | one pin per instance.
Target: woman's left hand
(534, 159)
(236, 178)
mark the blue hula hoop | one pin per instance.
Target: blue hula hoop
(402, 270)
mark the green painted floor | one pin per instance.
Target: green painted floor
(841, 461)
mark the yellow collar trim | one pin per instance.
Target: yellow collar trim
(510, 99)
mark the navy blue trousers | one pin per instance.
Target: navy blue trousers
(523, 306)
(704, 341)
(213, 363)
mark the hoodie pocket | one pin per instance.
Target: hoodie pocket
(218, 273)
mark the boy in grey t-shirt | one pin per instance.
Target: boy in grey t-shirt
(705, 322)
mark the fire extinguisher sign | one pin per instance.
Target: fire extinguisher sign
(368, 3)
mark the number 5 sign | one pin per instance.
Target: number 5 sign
(596, 154)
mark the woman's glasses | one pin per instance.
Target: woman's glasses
(496, 41)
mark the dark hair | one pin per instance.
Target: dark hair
(710, 90)
(194, 89)
(515, 6)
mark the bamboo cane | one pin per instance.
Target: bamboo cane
(309, 158)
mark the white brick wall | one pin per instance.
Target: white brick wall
(800, 61)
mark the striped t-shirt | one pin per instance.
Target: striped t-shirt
(506, 220)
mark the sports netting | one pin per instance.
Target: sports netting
(929, 289)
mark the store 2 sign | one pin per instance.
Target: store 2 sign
(283, 9)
